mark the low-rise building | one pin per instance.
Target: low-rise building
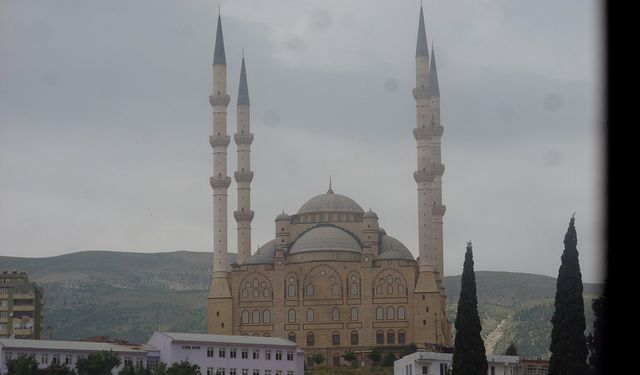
(231, 355)
(46, 352)
(530, 366)
(20, 306)
(431, 363)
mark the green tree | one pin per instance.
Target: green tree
(409, 349)
(350, 356)
(57, 369)
(317, 358)
(161, 369)
(596, 340)
(137, 370)
(375, 356)
(23, 365)
(98, 363)
(469, 357)
(568, 344)
(511, 350)
(388, 359)
(183, 368)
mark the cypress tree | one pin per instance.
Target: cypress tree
(596, 341)
(469, 357)
(568, 344)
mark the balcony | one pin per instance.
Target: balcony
(437, 130)
(423, 176)
(23, 307)
(438, 169)
(243, 139)
(243, 176)
(420, 93)
(439, 211)
(219, 141)
(219, 100)
(241, 216)
(422, 133)
(220, 182)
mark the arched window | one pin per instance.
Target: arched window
(292, 316)
(335, 338)
(353, 289)
(354, 338)
(245, 316)
(401, 312)
(391, 337)
(389, 279)
(245, 293)
(379, 313)
(291, 290)
(292, 336)
(309, 315)
(311, 339)
(266, 293)
(390, 289)
(256, 293)
(335, 290)
(256, 316)
(255, 283)
(379, 338)
(309, 289)
(379, 289)
(266, 316)
(390, 313)
(402, 337)
(335, 314)
(401, 289)
(354, 313)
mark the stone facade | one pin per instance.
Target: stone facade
(331, 279)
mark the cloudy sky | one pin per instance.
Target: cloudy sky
(104, 122)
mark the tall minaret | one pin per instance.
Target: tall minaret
(243, 175)
(219, 310)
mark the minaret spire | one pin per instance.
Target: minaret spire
(244, 174)
(220, 315)
(434, 87)
(422, 48)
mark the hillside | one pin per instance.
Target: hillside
(124, 295)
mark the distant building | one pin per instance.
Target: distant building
(20, 306)
(231, 355)
(530, 366)
(47, 352)
(431, 363)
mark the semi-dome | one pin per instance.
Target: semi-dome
(325, 238)
(264, 255)
(391, 248)
(330, 202)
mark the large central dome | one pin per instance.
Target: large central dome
(330, 202)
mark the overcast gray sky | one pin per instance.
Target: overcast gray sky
(104, 122)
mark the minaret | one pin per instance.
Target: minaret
(438, 209)
(219, 303)
(243, 175)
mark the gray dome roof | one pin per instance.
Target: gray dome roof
(370, 214)
(264, 255)
(330, 202)
(283, 216)
(325, 239)
(393, 249)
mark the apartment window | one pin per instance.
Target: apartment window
(55, 360)
(311, 339)
(245, 353)
(68, 359)
(278, 355)
(289, 356)
(245, 371)
(210, 351)
(222, 352)
(128, 361)
(379, 337)
(152, 363)
(278, 372)
(267, 355)
(139, 362)
(211, 371)
(8, 356)
(232, 371)
(267, 372)
(425, 370)
(290, 372)
(256, 372)
(444, 369)
(232, 353)
(44, 359)
(335, 338)
(256, 354)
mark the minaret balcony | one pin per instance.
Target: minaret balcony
(243, 139)
(439, 210)
(243, 176)
(219, 100)
(438, 169)
(220, 182)
(423, 176)
(219, 141)
(437, 130)
(420, 93)
(242, 216)
(422, 133)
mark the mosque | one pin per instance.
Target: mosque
(331, 279)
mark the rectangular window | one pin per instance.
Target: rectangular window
(278, 355)
(267, 354)
(425, 370)
(139, 362)
(221, 371)
(44, 359)
(290, 372)
(222, 352)
(232, 371)
(210, 351)
(256, 354)
(278, 372)
(152, 363)
(68, 359)
(245, 355)
(289, 356)
(267, 372)
(245, 371)
(128, 361)
(256, 372)
(232, 353)
(8, 356)
(336, 360)
(444, 369)
(56, 359)
(211, 371)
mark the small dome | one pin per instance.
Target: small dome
(393, 249)
(382, 232)
(325, 238)
(264, 255)
(330, 202)
(370, 215)
(283, 216)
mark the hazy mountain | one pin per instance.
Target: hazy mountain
(125, 295)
